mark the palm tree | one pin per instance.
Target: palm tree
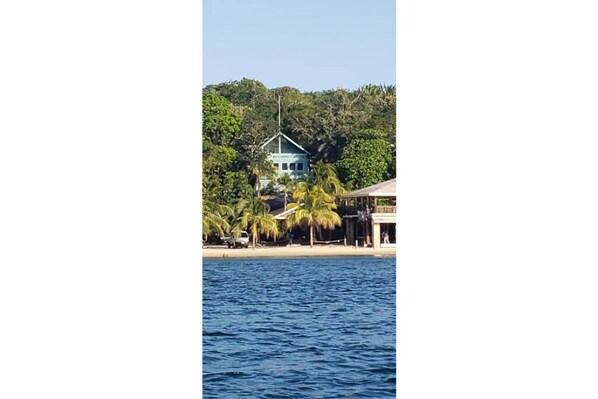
(253, 214)
(315, 208)
(324, 175)
(214, 218)
(287, 184)
(237, 219)
(261, 168)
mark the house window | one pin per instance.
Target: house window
(284, 166)
(276, 166)
(300, 166)
(292, 166)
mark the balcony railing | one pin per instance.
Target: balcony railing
(385, 209)
(353, 210)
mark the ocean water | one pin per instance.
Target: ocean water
(299, 328)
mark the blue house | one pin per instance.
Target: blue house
(287, 157)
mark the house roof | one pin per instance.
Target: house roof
(288, 138)
(281, 214)
(385, 189)
(275, 204)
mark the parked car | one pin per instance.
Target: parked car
(241, 241)
(214, 239)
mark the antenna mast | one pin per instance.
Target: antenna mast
(279, 112)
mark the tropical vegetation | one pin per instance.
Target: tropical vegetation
(361, 171)
(350, 134)
(253, 215)
(314, 208)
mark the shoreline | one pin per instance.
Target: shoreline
(296, 251)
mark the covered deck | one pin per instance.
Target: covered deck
(371, 215)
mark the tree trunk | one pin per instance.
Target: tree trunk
(311, 236)
(285, 200)
(257, 185)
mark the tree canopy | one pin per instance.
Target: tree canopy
(322, 122)
(349, 132)
(220, 121)
(366, 159)
(314, 208)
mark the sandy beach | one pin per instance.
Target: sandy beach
(216, 251)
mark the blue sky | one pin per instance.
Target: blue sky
(307, 44)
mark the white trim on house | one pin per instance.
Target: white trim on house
(270, 139)
(286, 137)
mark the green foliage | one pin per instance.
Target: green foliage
(214, 218)
(222, 182)
(321, 122)
(366, 159)
(314, 208)
(235, 185)
(253, 214)
(324, 175)
(349, 131)
(220, 121)
(216, 159)
(259, 107)
(287, 184)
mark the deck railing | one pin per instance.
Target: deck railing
(353, 210)
(385, 209)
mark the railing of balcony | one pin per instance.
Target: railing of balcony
(353, 210)
(385, 209)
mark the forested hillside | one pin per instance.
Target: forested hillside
(353, 131)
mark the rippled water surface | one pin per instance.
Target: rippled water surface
(299, 328)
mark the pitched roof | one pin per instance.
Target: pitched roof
(281, 214)
(275, 204)
(288, 138)
(385, 189)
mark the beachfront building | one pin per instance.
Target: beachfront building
(372, 215)
(287, 157)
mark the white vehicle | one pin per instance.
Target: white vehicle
(242, 241)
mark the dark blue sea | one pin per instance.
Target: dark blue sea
(299, 328)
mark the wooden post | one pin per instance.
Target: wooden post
(346, 229)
